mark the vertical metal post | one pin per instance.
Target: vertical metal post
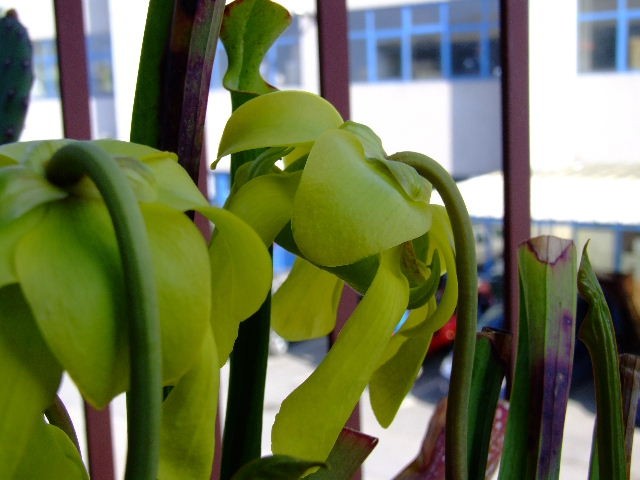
(333, 46)
(333, 50)
(514, 28)
(76, 119)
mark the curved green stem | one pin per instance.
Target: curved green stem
(65, 168)
(456, 457)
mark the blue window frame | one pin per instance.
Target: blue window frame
(608, 35)
(422, 41)
(45, 65)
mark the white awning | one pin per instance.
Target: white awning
(594, 194)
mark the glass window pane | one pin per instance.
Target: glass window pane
(389, 59)
(425, 14)
(100, 77)
(286, 68)
(388, 18)
(425, 56)
(597, 5)
(494, 10)
(357, 20)
(358, 60)
(495, 68)
(465, 12)
(465, 54)
(597, 46)
(45, 66)
(634, 45)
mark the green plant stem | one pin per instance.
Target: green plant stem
(58, 416)
(456, 454)
(242, 439)
(66, 167)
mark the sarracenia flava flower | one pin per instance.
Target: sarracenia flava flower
(65, 298)
(351, 213)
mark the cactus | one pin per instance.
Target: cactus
(16, 76)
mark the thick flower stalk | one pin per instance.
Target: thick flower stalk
(119, 304)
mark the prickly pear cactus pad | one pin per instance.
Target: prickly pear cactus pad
(16, 76)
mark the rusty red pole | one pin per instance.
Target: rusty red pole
(76, 119)
(514, 27)
(333, 46)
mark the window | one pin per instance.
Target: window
(45, 66)
(608, 35)
(454, 39)
(282, 62)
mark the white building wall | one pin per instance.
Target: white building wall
(585, 118)
(607, 118)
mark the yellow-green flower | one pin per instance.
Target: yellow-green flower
(350, 213)
(61, 283)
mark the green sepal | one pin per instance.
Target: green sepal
(414, 186)
(189, 415)
(312, 416)
(301, 118)
(276, 467)
(32, 154)
(171, 183)
(241, 276)
(334, 220)
(266, 203)
(32, 376)
(50, 454)
(21, 190)
(306, 304)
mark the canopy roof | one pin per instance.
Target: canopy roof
(593, 194)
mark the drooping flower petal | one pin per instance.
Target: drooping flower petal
(335, 218)
(30, 373)
(70, 270)
(179, 259)
(70, 273)
(306, 304)
(10, 236)
(283, 118)
(51, 454)
(399, 368)
(189, 419)
(241, 276)
(311, 418)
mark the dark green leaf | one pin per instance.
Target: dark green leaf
(597, 333)
(540, 392)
